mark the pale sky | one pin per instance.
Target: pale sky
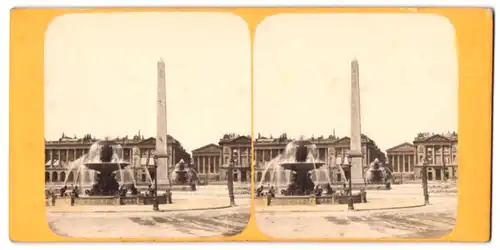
(408, 75)
(101, 75)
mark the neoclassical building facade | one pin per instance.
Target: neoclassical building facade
(212, 161)
(401, 160)
(207, 161)
(238, 147)
(137, 151)
(440, 152)
(437, 151)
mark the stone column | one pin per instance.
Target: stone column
(356, 154)
(391, 160)
(203, 160)
(198, 164)
(212, 168)
(51, 158)
(207, 164)
(404, 162)
(396, 162)
(59, 157)
(433, 155)
(442, 156)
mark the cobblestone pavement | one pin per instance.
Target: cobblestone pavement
(210, 223)
(434, 220)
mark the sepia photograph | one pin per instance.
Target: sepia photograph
(355, 120)
(147, 125)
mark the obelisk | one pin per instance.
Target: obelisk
(355, 152)
(161, 128)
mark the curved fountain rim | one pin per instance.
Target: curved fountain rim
(101, 162)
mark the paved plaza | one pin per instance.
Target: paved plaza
(206, 223)
(205, 213)
(369, 221)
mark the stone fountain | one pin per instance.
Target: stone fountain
(113, 178)
(105, 157)
(300, 158)
(184, 176)
(305, 177)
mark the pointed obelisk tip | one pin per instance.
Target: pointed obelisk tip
(161, 60)
(354, 59)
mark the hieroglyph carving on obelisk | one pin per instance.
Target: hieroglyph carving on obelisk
(356, 153)
(161, 127)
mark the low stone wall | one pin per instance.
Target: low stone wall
(181, 188)
(242, 190)
(340, 187)
(443, 188)
(378, 187)
(116, 200)
(310, 200)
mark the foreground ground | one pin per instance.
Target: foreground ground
(204, 213)
(431, 221)
(217, 222)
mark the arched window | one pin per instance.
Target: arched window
(259, 176)
(267, 177)
(55, 177)
(62, 177)
(71, 176)
(47, 176)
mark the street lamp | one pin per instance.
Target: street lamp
(424, 180)
(233, 160)
(350, 204)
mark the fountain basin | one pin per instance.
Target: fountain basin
(106, 166)
(359, 197)
(301, 166)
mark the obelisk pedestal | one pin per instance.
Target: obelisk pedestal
(161, 129)
(355, 152)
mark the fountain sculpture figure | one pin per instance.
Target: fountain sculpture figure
(183, 174)
(377, 173)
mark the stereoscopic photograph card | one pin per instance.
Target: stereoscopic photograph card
(250, 124)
